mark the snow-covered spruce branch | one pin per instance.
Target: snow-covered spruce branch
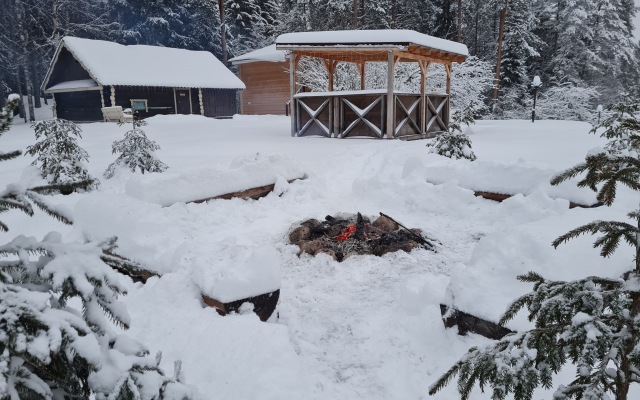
(613, 232)
(583, 322)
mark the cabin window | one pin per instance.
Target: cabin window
(139, 105)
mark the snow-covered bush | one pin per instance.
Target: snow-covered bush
(50, 349)
(58, 155)
(593, 323)
(6, 114)
(564, 101)
(136, 152)
(453, 145)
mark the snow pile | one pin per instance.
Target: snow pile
(507, 178)
(237, 272)
(198, 184)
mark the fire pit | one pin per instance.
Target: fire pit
(342, 236)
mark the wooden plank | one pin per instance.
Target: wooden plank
(500, 197)
(252, 193)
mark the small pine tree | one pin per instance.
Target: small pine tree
(49, 349)
(454, 144)
(58, 154)
(594, 323)
(136, 152)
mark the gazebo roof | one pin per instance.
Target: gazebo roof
(372, 45)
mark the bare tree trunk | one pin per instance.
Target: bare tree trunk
(223, 32)
(496, 84)
(29, 83)
(394, 13)
(21, 111)
(459, 38)
(36, 75)
(355, 14)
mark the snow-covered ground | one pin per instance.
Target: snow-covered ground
(366, 328)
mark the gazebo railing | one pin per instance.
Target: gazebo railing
(363, 114)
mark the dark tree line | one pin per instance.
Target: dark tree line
(569, 43)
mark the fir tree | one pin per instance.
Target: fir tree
(454, 144)
(594, 323)
(58, 154)
(49, 349)
(136, 152)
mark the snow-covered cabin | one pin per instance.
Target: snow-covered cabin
(266, 73)
(86, 75)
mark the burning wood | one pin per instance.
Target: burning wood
(341, 237)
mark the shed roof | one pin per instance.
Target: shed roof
(269, 54)
(140, 65)
(372, 41)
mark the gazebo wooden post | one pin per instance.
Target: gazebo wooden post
(293, 62)
(447, 68)
(423, 90)
(361, 69)
(390, 98)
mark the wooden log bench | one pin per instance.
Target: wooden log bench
(263, 305)
(500, 197)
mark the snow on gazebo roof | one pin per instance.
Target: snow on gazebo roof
(268, 53)
(393, 38)
(111, 63)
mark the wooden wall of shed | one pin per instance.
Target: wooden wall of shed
(79, 106)
(159, 99)
(219, 102)
(67, 69)
(267, 89)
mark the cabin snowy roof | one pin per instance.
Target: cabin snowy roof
(368, 38)
(269, 53)
(111, 63)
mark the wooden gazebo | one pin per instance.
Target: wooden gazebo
(374, 113)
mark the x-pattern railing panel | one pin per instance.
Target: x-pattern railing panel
(314, 115)
(361, 114)
(436, 114)
(407, 115)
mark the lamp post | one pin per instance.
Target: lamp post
(599, 111)
(535, 85)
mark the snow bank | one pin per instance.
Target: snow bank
(507, 178)
(238, 273)
(197, 184)
(487, 284)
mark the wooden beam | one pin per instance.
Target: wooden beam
(361, 69)
(391, 63)
(447, 68)
(292, 87)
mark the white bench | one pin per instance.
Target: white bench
(115, 114)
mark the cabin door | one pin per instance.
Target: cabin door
(183, 101)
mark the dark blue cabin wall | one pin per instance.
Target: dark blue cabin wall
(84, 106)
(220, 102)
